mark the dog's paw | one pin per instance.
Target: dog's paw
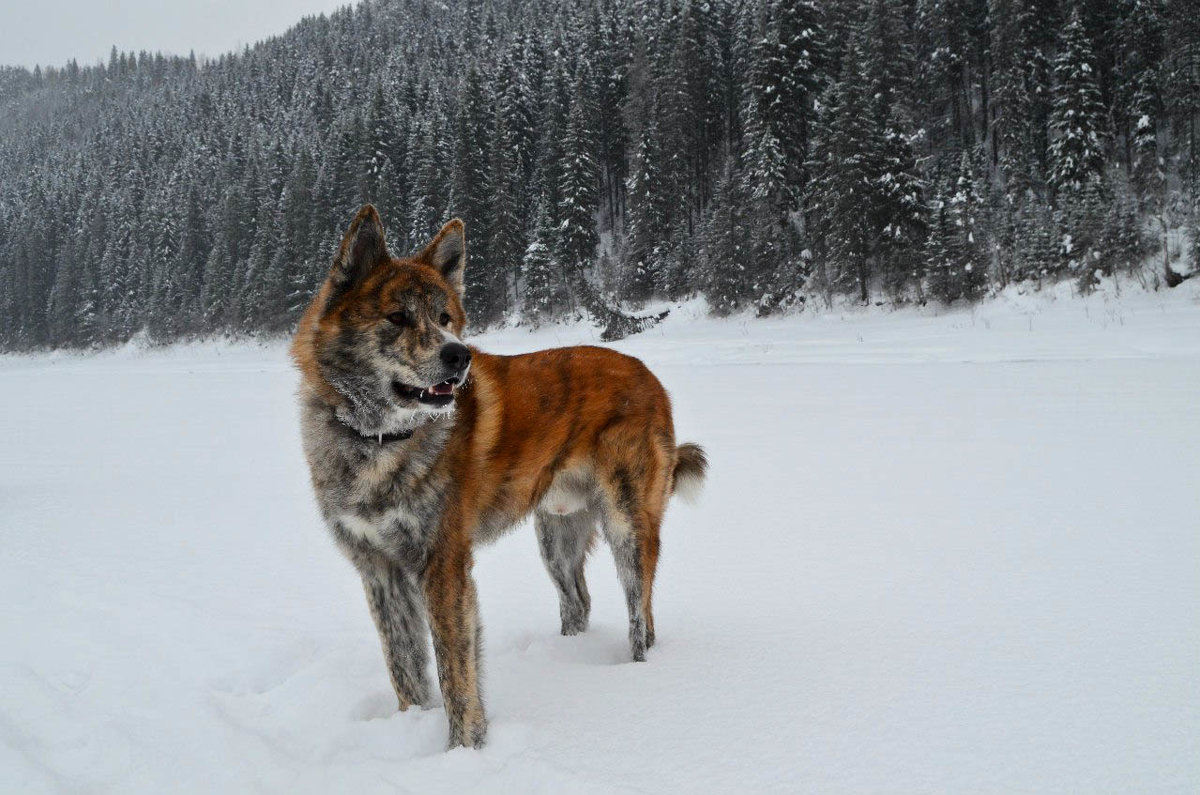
(468, 735)
(639, 639)
(574, 625)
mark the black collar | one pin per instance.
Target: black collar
(381, 438)
(398, 436)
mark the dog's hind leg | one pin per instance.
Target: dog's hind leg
(394, 597)
(564, 542)
(631, 530)
(633, 490)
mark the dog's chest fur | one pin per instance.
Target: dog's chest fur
(377, 497)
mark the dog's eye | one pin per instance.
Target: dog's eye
(400, 318)
(445, 318)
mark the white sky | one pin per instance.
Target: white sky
(51, 33)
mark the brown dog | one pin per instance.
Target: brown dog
(420, 446)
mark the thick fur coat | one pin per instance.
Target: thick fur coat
(419, 447)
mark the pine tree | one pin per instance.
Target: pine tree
(193, 249)
(940, 258)
(900, 211)
(1081, 221)
(1020, 94)
(539, 272)
(1142, 40)
(1036, 255)
(845, 161)
(646, 219)
(515, 111)
(166, 300)
(1077, 118)
(430, 196)
(577, 236)
(1181, 84)
(725, 244)
(967, 206)
(770, 269)
(506, 238)
(1122, 242)
(957, 268)
(887, 62)
(691, 115)
(472, 173)
(788, 70)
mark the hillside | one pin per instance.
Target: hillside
(606, 153)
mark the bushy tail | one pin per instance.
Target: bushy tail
(691, 465)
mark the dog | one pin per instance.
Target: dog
(420, 447)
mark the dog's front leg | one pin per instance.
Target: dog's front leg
(454, 619)
(395, 599)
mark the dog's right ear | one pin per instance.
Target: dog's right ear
(363, 248)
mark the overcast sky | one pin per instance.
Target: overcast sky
(55, 32)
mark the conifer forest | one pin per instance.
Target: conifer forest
(606, 155)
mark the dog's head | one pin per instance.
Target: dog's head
(384, 332)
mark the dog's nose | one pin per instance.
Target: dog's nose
(456, 356)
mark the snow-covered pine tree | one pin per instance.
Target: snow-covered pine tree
(956, 261)
(577, 236)
(645, 220)
(1036, 240)
(967, 207)
(1081, 218)
(471, 176)
(1181, 85)
(1122, 242)
(788, 70)
(431, 184)
(166, 297)
(725, 246)
(506, 237)
(1142, 40)
(845, 165)
(540, 275)
(770, 271)
(193, 247)
(901, 213)
(1077, 116)
(1020, 94)
(690, 107)
(939, 246)
(888, 62)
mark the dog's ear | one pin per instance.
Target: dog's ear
(363, 248)
(447, 253)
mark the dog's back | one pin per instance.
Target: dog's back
(558, 430)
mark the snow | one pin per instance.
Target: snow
(939, 551)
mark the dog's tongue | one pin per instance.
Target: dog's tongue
(444, 388)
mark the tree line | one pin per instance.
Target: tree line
(604, 154)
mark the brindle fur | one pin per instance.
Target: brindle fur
(580, 437)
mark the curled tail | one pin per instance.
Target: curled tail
(691, 465)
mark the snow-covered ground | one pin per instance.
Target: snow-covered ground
(938, 552)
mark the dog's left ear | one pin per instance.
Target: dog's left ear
(447, 254)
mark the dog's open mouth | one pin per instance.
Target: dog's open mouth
(436, 395)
